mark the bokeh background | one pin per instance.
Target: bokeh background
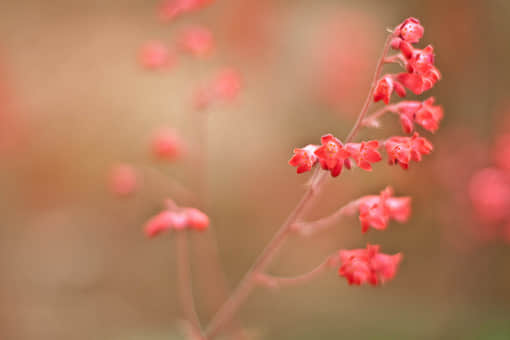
(74, 262)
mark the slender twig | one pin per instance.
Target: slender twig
(185, 285)
(248, 282)
(371, 120)
(309, 228)
(277, 281)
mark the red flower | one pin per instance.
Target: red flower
(123, 180)
(331, 154)
(410, 30)
(304, 159)
(364, 153)
(197, 219)
(361, 266)
(161, 222)
(376, 211)
(166, 145)
(424, 113)
(502, 152)
(197, 41)
(155, 55)
(489, 190)
(385, 87)
(401, 150)
(421, 73)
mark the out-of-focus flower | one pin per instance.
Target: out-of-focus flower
(166, 145)
(155, 55)
(502, 152)
(360, 266)
(197, 41)
(123, 179)
(224, 87)
(170, 9)
(177, 219)
(489, 190)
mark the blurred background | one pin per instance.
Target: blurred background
(74, 101)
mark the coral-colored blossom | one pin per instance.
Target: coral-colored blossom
(224, 87)
(166, 145)
(376, 211)
(385, 87)
(364, 153)
(170, 9)
(177, 219)
(304, 159)
(331, 154)
(360, 266)
(403, 150)
(197, 41)
(424, 113)
(123, 179)
(155, 55)
(410, 30)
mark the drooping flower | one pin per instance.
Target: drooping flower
(360, 266)
(385, 87)
(364, 153)
(155, 55)
(166, 145)
(421, 74)
(331, 154)
(424, 113)
(197, 41)
(123, 179)
(410, 30)
(376, 211)
(403, 150)
(177, 219)
(304, 159)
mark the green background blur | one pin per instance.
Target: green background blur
(74, 263)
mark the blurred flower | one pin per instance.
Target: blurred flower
(223, 88)
(170, 9)
(489, 190)
(166, 145)
(177, 219)
(123, 179)
(155, 55)
(197, 41)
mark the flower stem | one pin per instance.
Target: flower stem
(248, 282)
(185, 284)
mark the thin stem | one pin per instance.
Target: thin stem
(371, 120)
(185, 285)
(368, 100)
(248, 282)
(277, 282)
(309, 228)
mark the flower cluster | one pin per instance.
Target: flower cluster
(177, 219)
(377, 211)
(368, 265)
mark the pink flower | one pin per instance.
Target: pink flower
(489, 190)
(331, 154)
(385, 87)
(410, 30)
(360, 266)
(166, 145)
(376, 211)
(421, 73)
(224, 88)
(170, 9)
(197, 41)
(304, 159)
(401, 150)
(123, 179)
(423, 113)
(177, 219)
(364, 153)
(155, 55)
